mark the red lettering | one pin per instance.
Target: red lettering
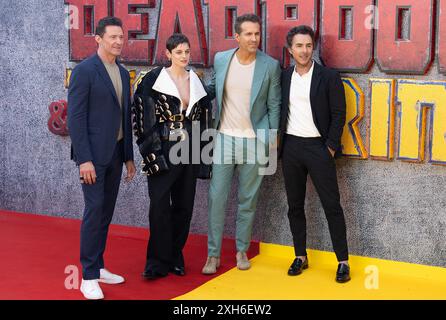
(404, 38)
(57, 123)
(222, 15)
(185, 17)
(404, 41)
(281, 16)
(442, 39)
(347, 34)
(137, 48)
(82, 43)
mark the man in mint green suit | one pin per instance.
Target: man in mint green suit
(247, 88)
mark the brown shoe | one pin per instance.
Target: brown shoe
(212, 263)
(242, 261)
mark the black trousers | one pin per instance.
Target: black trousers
(171, 205)
(303, 156)
(100, 199)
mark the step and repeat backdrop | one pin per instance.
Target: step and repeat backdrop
(391, 55)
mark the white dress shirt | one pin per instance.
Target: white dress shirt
(300, 117)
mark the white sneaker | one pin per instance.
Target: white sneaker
(91, 289)
(109, 278)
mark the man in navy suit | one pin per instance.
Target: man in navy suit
(99, 123)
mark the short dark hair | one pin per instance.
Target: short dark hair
(107, 21)
(175, 40)
(302, 29)
(244, 18)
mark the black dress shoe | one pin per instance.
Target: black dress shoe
(343, 273)
(297, 266)
(153, 274)
(179, 271)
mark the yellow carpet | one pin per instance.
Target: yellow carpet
(371, 279)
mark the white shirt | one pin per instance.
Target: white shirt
(300, 117)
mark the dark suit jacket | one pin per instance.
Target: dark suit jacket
(327, 98)
(94, 113)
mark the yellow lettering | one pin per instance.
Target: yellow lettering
(416, 98)
(382, 119)
(138, 80)
(67, 77)
(132, 80)
(352, 144)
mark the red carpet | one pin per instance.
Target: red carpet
(35, 251)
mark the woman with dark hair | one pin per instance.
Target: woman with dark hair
(167, 104)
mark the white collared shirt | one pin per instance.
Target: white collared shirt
(300, 117)
(165, 84)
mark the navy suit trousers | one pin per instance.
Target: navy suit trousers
(100, 199)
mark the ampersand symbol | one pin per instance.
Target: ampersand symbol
(57, 123)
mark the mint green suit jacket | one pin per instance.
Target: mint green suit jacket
(266, 93)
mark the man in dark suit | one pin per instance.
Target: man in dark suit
(99, 123)
(312, 120)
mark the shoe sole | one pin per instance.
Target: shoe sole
(208, 272)
(90, 298)
(296, 274)
(154, 277)
(100, 298)
(343, 281)
(244, 268)
(110, 282)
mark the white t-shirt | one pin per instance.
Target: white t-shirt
(235, 117)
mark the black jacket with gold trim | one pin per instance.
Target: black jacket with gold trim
(157, 115)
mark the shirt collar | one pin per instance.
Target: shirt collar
(306, 75)
(165, 84)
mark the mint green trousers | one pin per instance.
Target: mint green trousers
(231, 154)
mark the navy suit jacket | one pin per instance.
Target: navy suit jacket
(94, 113)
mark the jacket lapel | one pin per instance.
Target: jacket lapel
(222, 76)
(315, 79)
(286, 95)
(165, 84)
(259, 74)
(196, 92)
(104, 74)
(125, 87)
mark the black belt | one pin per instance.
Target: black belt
(174, 121)
(177, 117)
(172, 125)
